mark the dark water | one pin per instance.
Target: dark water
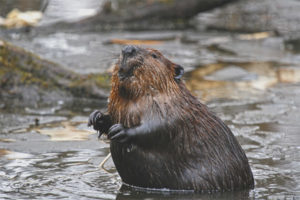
(251, 81)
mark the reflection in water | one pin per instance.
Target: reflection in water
(66, 132)
(57, 175)
(129, 193)
(226, 81)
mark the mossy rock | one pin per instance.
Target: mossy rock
(21, 71)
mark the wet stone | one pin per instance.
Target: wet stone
(231, 73)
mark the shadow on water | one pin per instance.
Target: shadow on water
(129, 193)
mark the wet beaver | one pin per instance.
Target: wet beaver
(161, 135)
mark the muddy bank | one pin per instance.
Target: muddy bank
(30, 80)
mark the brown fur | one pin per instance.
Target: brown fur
(152, 83)
(178, 143)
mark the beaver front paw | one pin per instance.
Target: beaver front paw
(120, 134)
(100, 122)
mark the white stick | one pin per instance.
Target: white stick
(101, 165)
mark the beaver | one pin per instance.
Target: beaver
(161, 136)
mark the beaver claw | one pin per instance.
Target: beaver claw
(119, 133)
(99, 121)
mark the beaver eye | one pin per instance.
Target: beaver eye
(154, 55)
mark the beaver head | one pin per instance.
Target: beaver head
(142, 71)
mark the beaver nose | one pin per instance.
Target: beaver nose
(129, 50)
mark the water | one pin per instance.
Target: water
(59, 158)
(252, 84)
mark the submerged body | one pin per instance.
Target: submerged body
(161, 135)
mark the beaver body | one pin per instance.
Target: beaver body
(161, 135)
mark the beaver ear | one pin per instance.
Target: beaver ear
(178, 72)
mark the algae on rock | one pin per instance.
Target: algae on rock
(30, 79)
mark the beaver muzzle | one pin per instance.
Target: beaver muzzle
(128, 63)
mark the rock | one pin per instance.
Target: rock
(282, 17)
(9, 5)
(136, 15)
(149, 14)
(231, 73)
(17, 19)
(27, 79)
